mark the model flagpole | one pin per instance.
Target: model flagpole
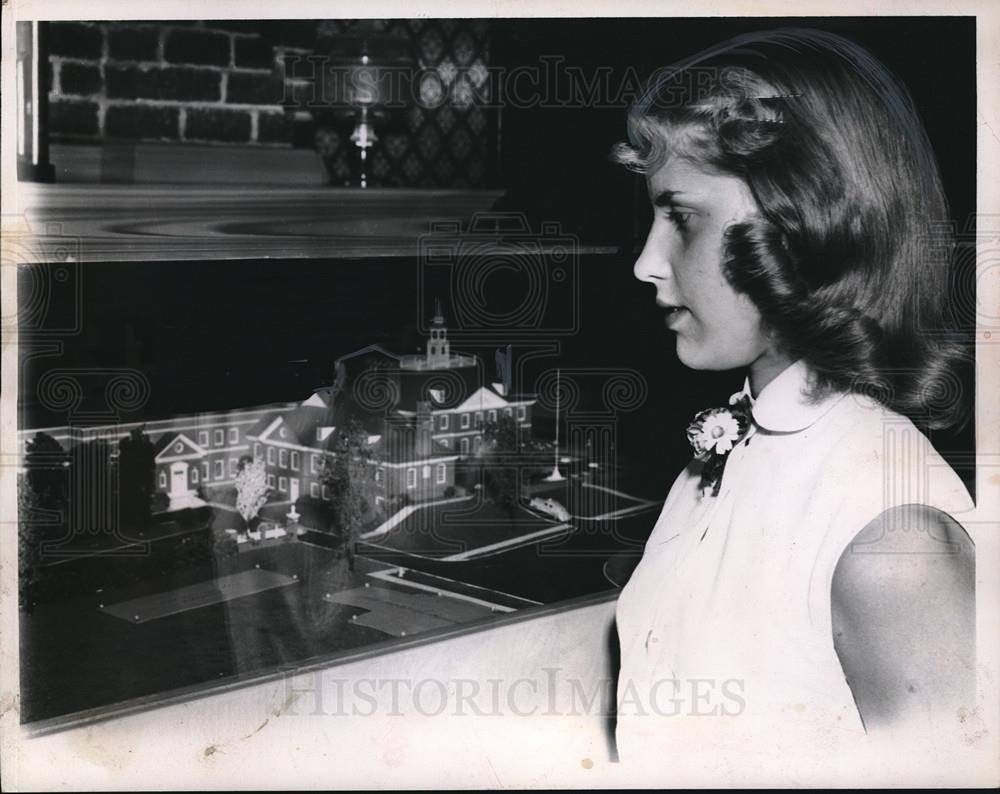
(556, 475)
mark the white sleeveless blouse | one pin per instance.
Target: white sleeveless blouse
(725, 627)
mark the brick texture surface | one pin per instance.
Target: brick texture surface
(134, 44)
(210, 124)
(273, 127)
(76, 40)
(253, 53)
(142, 121)
(198, 47)
(176, 83)
(248, 88)
(168, 81)
(73, 117)
(79, 79)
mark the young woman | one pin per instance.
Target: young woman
(807, 586)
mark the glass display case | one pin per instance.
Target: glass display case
(270, 425)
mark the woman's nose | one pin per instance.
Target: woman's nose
(652, 263)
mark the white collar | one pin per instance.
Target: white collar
(784, 405)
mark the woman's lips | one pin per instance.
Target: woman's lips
(675, 315)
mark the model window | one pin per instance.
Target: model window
(314, 490)
(465, 421)
(163, 479)
(220, 438)
(233, 463)
(283, 484)
(442, 473)
(204, 472)
(411, 478)
(270, 456)
(283, 458)
(220, 469)
(444, 422)
(256, 450)
(521, 413)
(234, 435)
(270, 480)
(194, 475)
(203, 438)
(295, 461)
(493, 416)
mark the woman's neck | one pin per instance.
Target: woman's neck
(765, 369)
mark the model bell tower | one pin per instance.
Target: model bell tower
(438, 347)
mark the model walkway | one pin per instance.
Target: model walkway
(196, 596)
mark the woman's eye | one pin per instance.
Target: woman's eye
(679, 218)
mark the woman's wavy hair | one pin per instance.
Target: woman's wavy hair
(848, 257)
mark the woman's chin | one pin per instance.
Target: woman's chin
(693, 356)
(697, 357)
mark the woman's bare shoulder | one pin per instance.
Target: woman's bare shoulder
(903, 607)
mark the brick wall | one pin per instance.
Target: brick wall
(210, 82)
(225, 82)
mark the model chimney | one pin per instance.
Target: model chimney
(424, 426)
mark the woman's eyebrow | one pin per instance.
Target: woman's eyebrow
(664, 198)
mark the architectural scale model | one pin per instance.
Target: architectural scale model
(423, 413)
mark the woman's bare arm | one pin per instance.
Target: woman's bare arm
(903, 604)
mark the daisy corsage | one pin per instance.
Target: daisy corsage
(713, 433)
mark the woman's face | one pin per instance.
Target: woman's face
(717, 327)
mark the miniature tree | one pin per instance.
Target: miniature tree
(47, 463)
(251, 490)
(349, 476)
(136, 469)
(28, 542)
(44, 487)
(503, 462)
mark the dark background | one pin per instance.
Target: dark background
(555, 160)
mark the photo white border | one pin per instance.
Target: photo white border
(153, 750)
